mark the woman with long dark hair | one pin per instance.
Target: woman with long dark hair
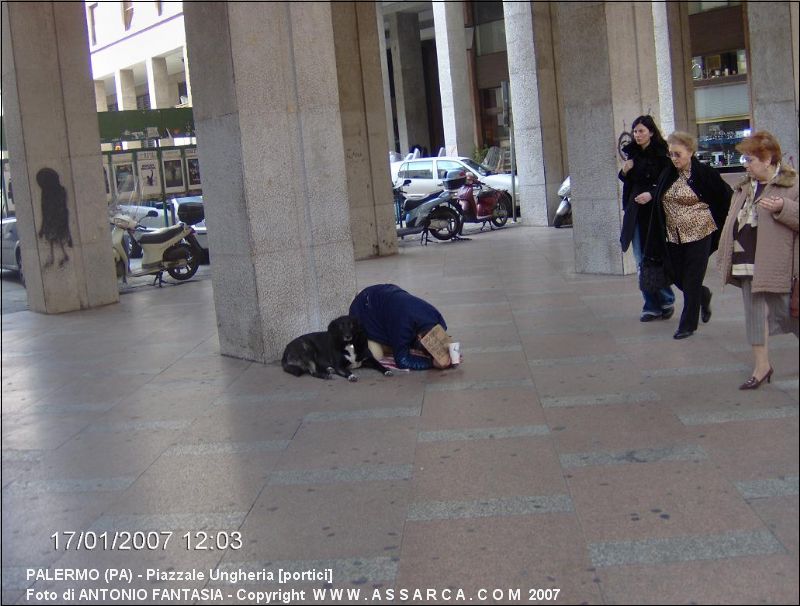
(647, 158)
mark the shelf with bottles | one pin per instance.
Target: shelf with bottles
(720, 68)
(717, 140)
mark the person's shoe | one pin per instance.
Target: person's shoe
(705, 308)
(753, 383)
(667, 313)
(648, 317)
(682, 334)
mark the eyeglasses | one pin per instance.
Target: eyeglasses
(746, 159)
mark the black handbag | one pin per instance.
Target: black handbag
(653, 275)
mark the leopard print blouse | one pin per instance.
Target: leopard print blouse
(688, 218)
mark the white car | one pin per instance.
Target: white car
(426, 174)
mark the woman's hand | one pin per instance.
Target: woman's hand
(643, 198)
(627, 166)
(773, 204)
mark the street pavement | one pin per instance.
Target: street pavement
(575, 456)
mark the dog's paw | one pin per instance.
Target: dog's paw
(388, 373)
(352, 378)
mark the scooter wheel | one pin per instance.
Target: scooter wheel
(192, 263)
(501, 211)
(448, 219)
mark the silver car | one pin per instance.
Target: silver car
(10, 257)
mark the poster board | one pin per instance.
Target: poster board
(149, 174)
(193, 168)
(172, 163)
(124, 177)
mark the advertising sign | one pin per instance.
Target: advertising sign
(173, 171)
(124, 180)
(149, 175)
(193, 168)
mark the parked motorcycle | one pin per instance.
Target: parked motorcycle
(172, 249)
(478, 202)
(563, 216)
(433, 215)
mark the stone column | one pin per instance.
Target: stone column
(54, 145)
(458, 111)
(364, 129)
(534, 99)
(600, 74)
(771, 69)
(673, 66)
(100, 96)
(387, 93)
(269, 132)
(409, 83)
(126, 89)
(186, 73)
(158, 84)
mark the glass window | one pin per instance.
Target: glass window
(491, 38)
(403, 172)
(442, 166)
(420, 170)
(701, 7)
(487, 11)
(143, 101)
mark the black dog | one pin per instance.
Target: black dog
(340, 349)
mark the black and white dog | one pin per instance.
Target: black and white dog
(340, 349)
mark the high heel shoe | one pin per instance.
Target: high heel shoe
(753, 383)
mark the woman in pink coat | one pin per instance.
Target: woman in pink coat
(758, 248)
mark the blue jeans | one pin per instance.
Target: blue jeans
(654, 302)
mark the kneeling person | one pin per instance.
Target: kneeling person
(397, 319)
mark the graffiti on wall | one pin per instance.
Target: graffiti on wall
(55, 215)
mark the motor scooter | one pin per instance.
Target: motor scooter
(172, 249)
(563, 216)
(433, 215)
(480, 203)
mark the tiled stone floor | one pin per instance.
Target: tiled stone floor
(574, 449)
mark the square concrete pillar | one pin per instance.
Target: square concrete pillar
(364, 129)
(409, 81)
(126, 89)
(158, 84)
(673, 67)
(534, 101)
(600, 74)
(458, 112)
(188, 78)
(50, 116)
(772, 72)
(100, 96)
(387, 94)
(269, 132)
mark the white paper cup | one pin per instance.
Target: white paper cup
(455, 353)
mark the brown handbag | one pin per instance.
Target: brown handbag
(794, 306)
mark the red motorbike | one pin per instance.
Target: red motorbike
(483, 204)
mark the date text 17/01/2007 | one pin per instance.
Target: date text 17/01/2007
(124, 540)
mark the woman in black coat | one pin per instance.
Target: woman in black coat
(647, 158)
(692, 202)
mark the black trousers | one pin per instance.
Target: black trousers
(689, 262)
